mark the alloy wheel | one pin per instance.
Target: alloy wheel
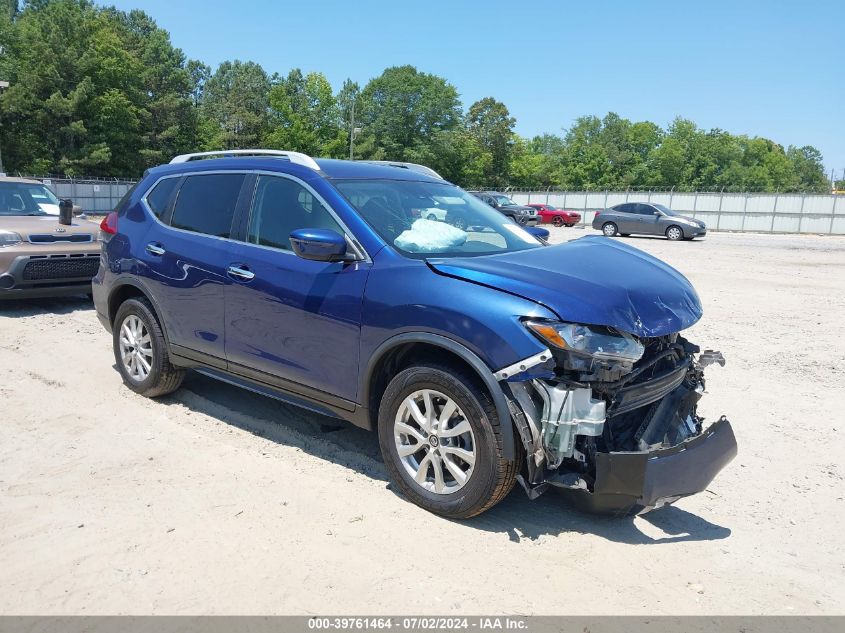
(136, 348)
(434, 441)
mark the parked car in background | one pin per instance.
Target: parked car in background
(481, 357)
(555, 215)
(646, 218)
(39, 256)
(519, 213)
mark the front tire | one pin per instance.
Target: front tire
(558, 221)
(441, 442)
(674, 233)
(140, 351)
(609, 229)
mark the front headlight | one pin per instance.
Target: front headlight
(584, 340)
(8, 238)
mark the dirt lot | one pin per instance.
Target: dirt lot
(216, 500)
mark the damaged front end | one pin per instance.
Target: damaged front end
(612, 419)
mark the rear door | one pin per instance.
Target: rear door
(185, 262)
(292, 322)
(626, 218)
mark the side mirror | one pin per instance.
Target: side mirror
(536, 231)
(657, 213)
(321, 245)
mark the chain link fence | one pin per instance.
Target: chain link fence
(96, 196)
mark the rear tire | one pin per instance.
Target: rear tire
(140, 350)
(674, 233)
(609, 229)
(487, 476)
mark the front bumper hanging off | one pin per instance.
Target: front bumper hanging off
(614, 482)
(640, 481)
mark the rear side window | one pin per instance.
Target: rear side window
(206, 204)
(158, 198)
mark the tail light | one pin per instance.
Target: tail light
(109, 223)
(598, 213)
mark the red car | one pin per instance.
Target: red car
(557, 216)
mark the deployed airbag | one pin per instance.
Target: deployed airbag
(429, 236)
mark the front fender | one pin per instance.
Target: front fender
(406, 301)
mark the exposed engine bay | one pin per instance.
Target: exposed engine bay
(614, 418)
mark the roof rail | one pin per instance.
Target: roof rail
(428, 171)
(294, 157)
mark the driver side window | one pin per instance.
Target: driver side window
(281, 206)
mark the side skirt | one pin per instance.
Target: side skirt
(343, 409)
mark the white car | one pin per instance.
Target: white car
(433, 213)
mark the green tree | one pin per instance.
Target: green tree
(305, 116)
(490, 122)
(235, 106)
(403, 109)
(809, 169)
(93, 91)
(199, 73)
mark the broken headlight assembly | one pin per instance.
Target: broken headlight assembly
(597, 353)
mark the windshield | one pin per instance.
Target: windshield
(664, 208)
(504, 201)
(425, 219)
(22, 198)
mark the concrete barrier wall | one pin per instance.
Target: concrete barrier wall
(757, 212)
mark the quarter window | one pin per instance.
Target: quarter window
(281, 206)
(206, 203)
(158, 198)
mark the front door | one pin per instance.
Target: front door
(292, 322)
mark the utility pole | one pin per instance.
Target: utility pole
(352, 131)
(3, 86)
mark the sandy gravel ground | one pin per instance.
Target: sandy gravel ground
(216, 500)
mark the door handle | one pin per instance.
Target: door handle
(241, 272)
(154, 248)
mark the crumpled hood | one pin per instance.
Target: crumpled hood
(592, 280)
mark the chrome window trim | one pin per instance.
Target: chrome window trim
(358, 249)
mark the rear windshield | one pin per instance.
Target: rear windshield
(428, 219)
(23, 198)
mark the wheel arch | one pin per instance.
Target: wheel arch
(127, 289)
(403, 350)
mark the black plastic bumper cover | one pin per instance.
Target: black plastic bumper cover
(637, 482)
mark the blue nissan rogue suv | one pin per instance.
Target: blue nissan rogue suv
(482, 356)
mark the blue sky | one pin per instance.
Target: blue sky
(772, 69)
